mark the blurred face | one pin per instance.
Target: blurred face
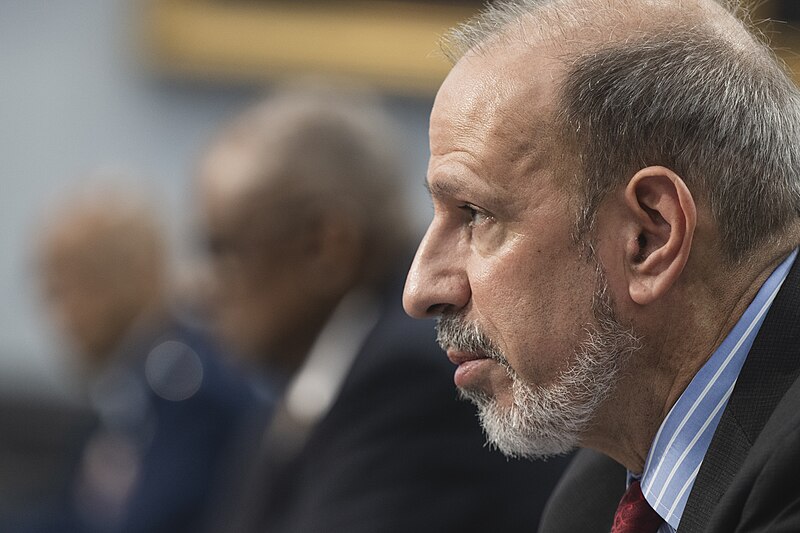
(522, 311)
(90, 304)
(260, 299)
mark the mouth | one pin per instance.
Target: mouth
(471, 367)
(459, 357)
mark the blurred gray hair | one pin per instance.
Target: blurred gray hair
(690, 86)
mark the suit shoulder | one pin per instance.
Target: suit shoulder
(769, 483)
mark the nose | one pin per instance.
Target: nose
(437, 282)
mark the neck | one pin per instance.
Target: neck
(655, 377)
(289, 354)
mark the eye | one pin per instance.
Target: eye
(476, 216)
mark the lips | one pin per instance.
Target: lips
(471, 366)
(459, 357)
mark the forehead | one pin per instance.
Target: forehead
(232, 176)
(495, 114)
(72, 255)
(229, 170)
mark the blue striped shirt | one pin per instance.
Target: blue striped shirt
(685, 434)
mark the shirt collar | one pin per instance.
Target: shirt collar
(685, 434)
(316, 385)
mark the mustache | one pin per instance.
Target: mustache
(455, 332)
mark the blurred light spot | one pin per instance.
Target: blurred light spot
(174, 371)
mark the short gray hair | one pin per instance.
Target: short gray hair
(699, 93)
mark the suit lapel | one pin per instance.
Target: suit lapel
(771, 367)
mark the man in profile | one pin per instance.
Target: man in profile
(167, 409)
(612, 256)
(309, 239)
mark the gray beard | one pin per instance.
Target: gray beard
(546, 421)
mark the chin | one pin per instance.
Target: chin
(515, 431)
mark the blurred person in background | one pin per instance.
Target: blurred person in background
(309, 239)
(167, 409)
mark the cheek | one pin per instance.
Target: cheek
(244, 312)
(87, 316)
(535, 315)
(499, 385)
(243, 325)
(94, 324)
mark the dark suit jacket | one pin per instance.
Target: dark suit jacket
(398, 452)
(191, 442)
(182, 420)
(750, 478)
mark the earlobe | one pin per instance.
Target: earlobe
(663, 219)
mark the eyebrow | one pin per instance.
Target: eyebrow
(439, 189)
(457, 190)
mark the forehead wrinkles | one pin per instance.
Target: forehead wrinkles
(527, 129)
(467, 107)
(564, 31)
(502, 107)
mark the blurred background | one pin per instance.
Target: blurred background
(135, 88)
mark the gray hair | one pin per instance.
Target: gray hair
(689, 87)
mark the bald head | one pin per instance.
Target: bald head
(687, 85)
(575, 25)
(101, 258)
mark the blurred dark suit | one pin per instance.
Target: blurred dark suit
(168, 410)
(396, 452)
(586, 497)
(40, 441)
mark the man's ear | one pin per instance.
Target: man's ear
(663, 218)
(337, 251)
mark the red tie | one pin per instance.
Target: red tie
(634, 514)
